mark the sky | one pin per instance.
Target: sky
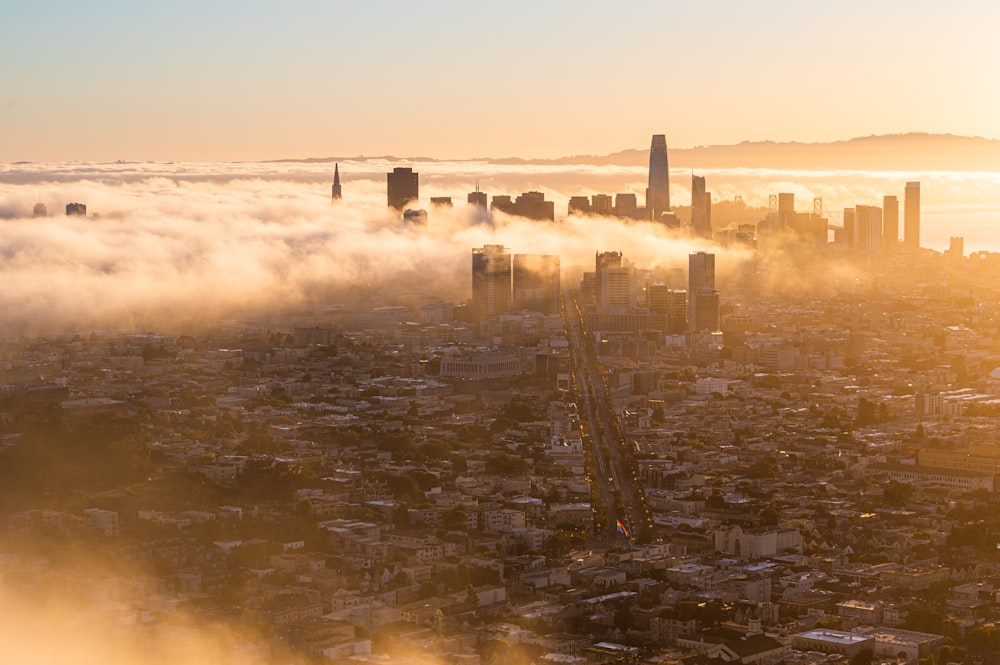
(244, 80)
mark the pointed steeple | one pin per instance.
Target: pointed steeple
(336, 182)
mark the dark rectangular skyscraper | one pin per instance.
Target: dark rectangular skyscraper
(703, 299)
(491, 281)
(701, 224)
(658, 191)
(911, 217)
(402, 187)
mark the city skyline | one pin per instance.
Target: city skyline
(110, 81)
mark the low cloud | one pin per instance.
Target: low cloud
(180, 244)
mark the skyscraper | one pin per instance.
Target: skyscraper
(491, 281)
(786, 209)
(335, 195)
(911, 217)
(536, 283)
(477, 198)
(703, 299)
(868, 228)
(658, 191)
(890, 223)
(402, 186)
(701, 224)
(626, 205)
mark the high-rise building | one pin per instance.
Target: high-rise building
(701, 272)
(786, 209)
(890, 223)
(677, 312)
(76, 209)
(911, 217)
(442, 202)
(613, 281)
(626, 205)
(579, 205)
(701, 224)
(601, 204)
(335, 190)
(850, 228)
(868, 228)
(956, 248)
(491, 281)
(40, 210)
(477, 198)
(402, 187)
(658, 191)
(536, 283)
(529, 204)
(706, 312)
(703, 299)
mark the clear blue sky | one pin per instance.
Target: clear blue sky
(228, 80)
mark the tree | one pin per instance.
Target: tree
(896, 493)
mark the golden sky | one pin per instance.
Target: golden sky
(230, 80)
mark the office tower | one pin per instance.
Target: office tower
(701, 272)
(441, 202)
(701, 224)
(335, 193)
(658, 298)
(706, 312)
(786, 209)
(40, 210)
(956, 248)
(677, 311)
(612, 281)
(868, 228)
(529, 204)
(579, 205)
(614, 288)
(76, 209)
(477, 198)
(402, 187)
(626, 205)
(850, 230)
(911, 217)
(491, 281)
(536, 283)
(658, 191)
(702, 296)
(890, 223)
(600, 204)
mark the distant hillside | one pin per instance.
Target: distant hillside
(908, 152)
(903, 152)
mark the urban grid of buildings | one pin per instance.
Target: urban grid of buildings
(753, 463)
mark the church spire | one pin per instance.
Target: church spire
(336, 182)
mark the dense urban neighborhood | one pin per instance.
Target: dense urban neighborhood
(810, 480)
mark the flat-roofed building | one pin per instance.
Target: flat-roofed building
(840, 642)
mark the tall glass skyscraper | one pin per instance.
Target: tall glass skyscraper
(911, 217)
(658, 192)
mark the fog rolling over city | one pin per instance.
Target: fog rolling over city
(193, 247)
(183, 244)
